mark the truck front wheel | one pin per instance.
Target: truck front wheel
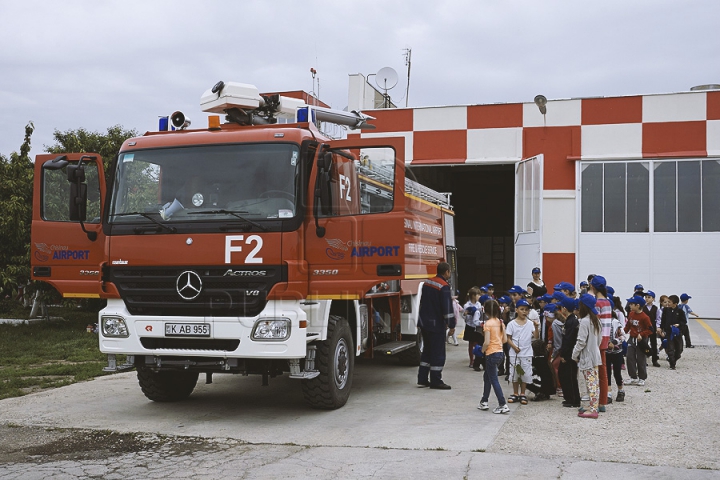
(166, 386)
(335, 360)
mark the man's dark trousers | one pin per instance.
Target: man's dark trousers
(432, 359)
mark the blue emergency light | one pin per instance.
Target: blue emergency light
(302, 115)
(164, 124)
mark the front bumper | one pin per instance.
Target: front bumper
(230, 337)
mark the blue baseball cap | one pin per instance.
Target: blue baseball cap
(536, 270)
(550, 307)
(589, 300)
(685, 296)
(569, 303)
(637, 299)
(489, 286)
(598, 281)
(505, 300)
(516, 289)
(650, 293)
(559, 296)
(558, 286)
(484, 298)
(547, 298)
(639, 287)
(610, 290)
(483, 288)
(567, 286)
(522, 303)
(583, 284)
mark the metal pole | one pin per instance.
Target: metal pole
(407, 60)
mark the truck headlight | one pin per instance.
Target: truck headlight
(114, 327)
(271, 329)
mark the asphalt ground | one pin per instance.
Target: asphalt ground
(390, 428)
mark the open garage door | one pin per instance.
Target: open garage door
(528, 218)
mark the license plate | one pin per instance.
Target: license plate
(187, 329)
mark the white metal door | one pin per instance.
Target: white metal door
(528, 218)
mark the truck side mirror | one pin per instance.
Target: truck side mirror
(323, 198)
(78, 202)
(325, 164)
(78, 192)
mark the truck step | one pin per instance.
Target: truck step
(393, 348)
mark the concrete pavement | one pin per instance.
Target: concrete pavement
(390, 428)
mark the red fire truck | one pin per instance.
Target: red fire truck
(255, 246)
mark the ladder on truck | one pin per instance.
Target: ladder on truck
(383, 175)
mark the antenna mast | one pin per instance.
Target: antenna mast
(408, 54)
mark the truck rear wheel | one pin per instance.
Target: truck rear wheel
(411, 356)
(335, 360)
(166, 386)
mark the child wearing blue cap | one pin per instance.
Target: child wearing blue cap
(587, 352)
(520, 334)
(673, 318)
(472, 313)
(688, 311)
(639, 328)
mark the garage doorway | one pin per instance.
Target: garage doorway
(483, 197)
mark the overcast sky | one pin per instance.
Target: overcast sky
(94, 64)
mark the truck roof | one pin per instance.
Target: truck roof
(227, 133)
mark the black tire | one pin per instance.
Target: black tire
(335, 359)
(411, 356)
(166, 386)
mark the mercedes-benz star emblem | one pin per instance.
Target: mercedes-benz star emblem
(188, 285)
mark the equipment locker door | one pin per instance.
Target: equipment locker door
(528, 218)
(65, 252)
(360, 242)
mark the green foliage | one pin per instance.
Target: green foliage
(16, 192)
(81, 141)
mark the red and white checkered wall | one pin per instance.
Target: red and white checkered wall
(678, 125)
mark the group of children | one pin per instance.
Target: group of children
(541, 343)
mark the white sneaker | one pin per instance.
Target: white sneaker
(641, 383)
(585, 398)
(503, 409)
(483, 406)
(632, 381)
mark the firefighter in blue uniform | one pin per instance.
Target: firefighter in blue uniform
(435, 317)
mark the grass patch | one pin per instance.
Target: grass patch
(50, 354)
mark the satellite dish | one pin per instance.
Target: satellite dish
(386, 78)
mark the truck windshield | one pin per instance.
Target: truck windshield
(206, 183)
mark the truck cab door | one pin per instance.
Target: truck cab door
(67, 242)
(357, 240)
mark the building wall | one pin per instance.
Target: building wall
(679, 125)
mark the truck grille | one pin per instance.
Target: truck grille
(223, 291)
(189, 344)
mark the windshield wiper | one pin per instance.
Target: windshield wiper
(234, 213)
(146, 215)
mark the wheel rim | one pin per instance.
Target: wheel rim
(341, 364)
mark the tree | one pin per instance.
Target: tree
(80, 140)
(16, 193)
